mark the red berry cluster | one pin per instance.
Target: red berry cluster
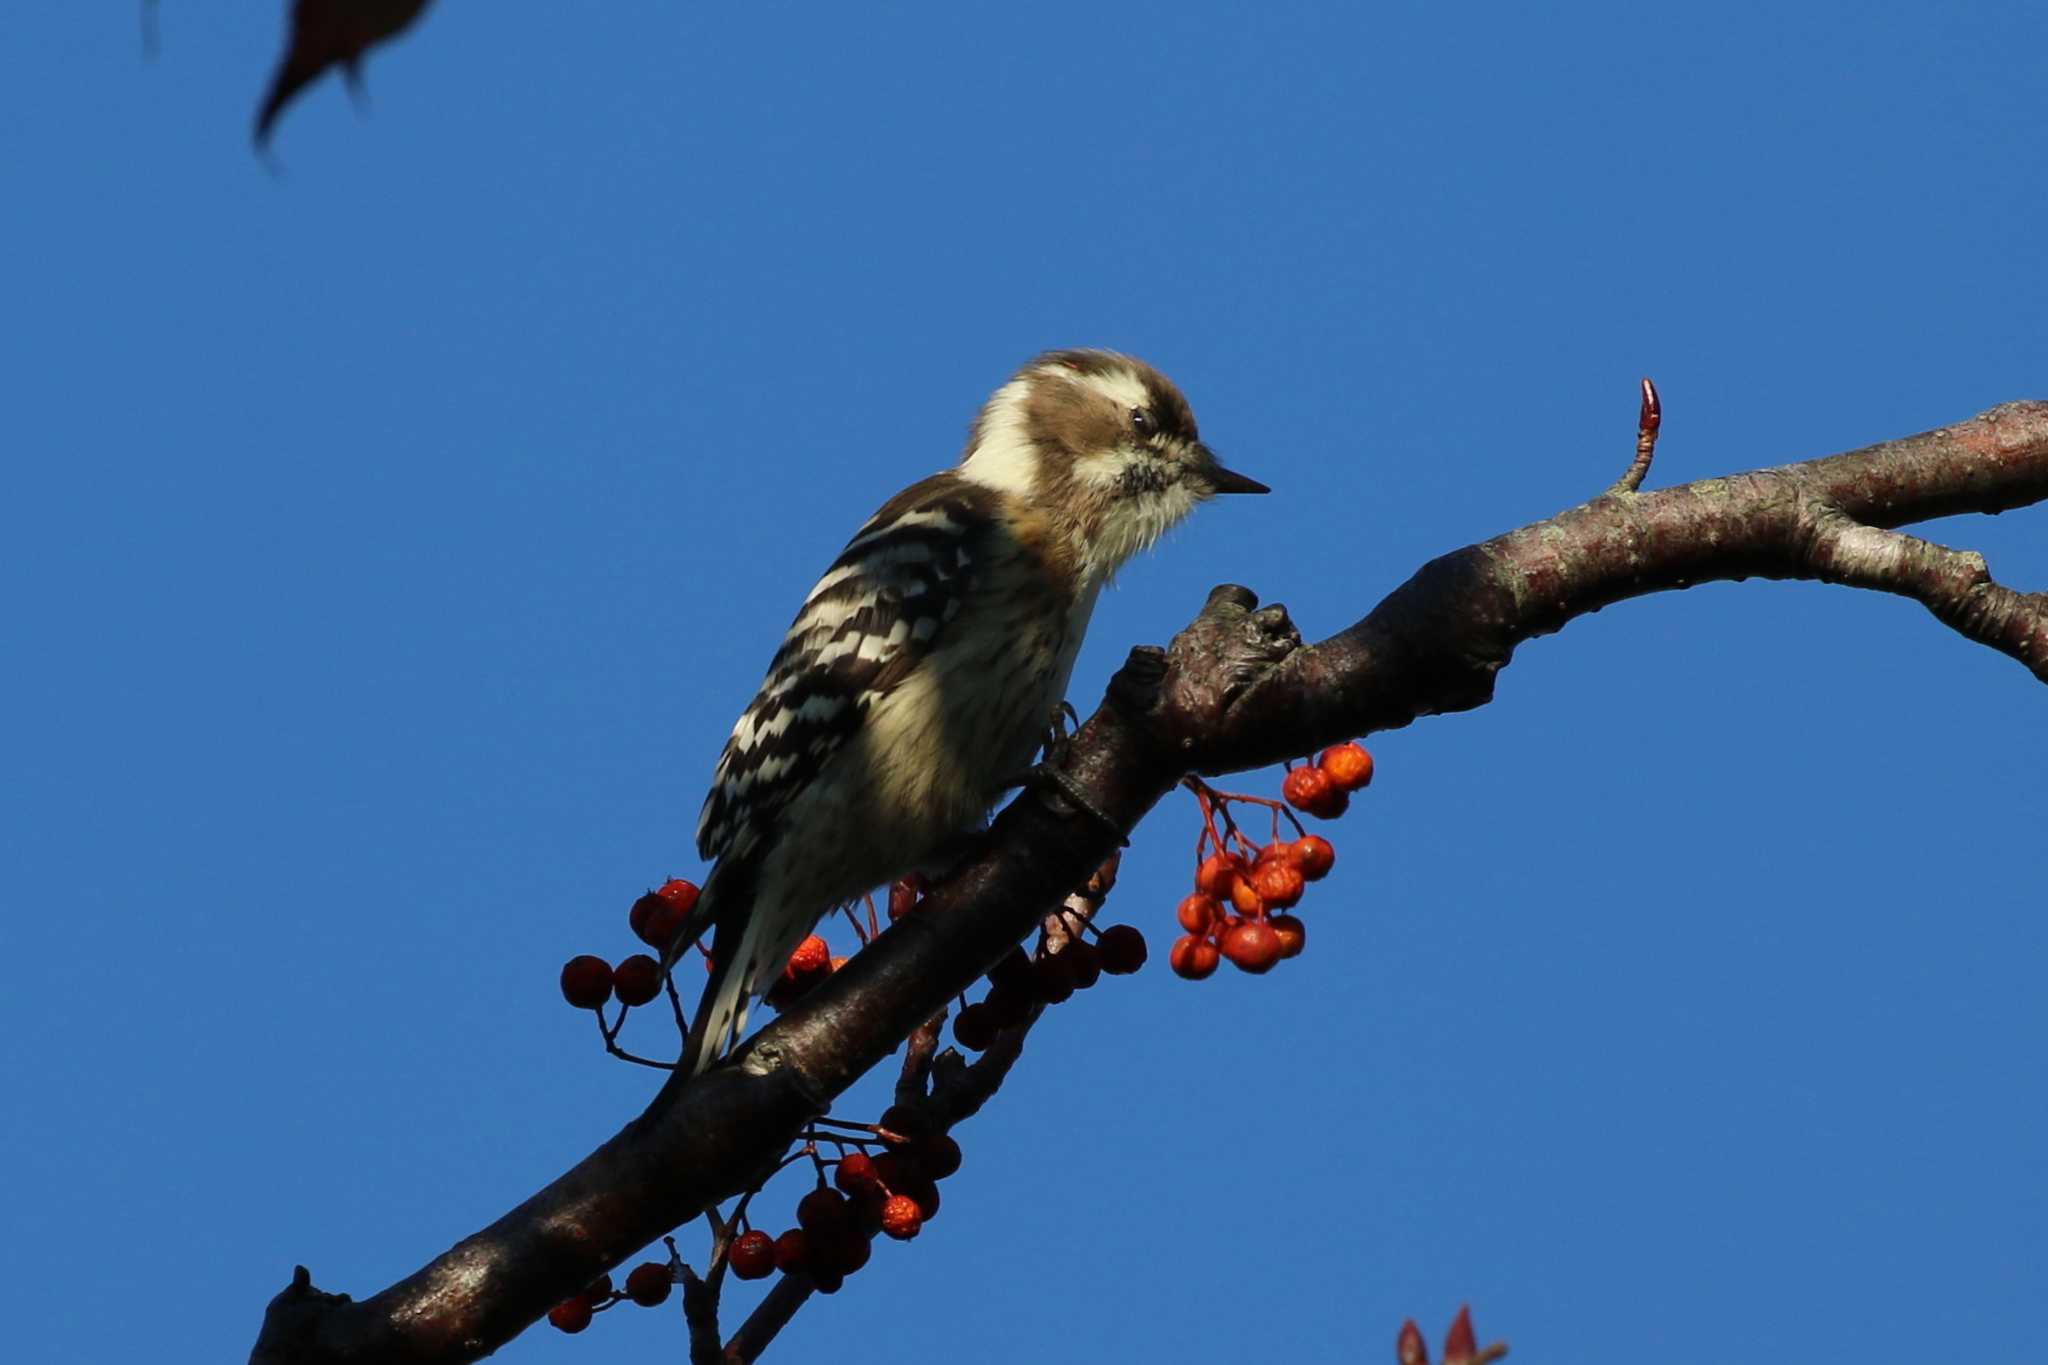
(1023, 981)
(648, 1285)
(1243, 894)
(589, 982)
(895, 1193)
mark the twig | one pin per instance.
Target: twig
(1649, 417)
(917, 1059)
(700, 1311)
(770, 1316)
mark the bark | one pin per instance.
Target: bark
(1236, 690)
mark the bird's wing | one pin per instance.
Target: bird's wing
(880, 610)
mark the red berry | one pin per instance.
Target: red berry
(643, 912)
(792, 1250)
(1293, 934)
(637, 979)
(975, 1027)
(926, 1192)
(1084, 962)
(587, 982)
(902, 898)
(1279, 883)
(1314, 855)
(1122, 948)
(598, 1290)
(1198, 912)
(896, 1168)
(1253, 946)
(1217, 872)
(1009, 1006)
(823, 1211)
(1051, 980)
(570, 1315)
(1347, 765)
(856, 1173)
(827, 1281)
(752, 1255)
(1191, 957)
(901, 1217)
(906, 1122)
(1014, 970)
(649, 1283)
(839, 1252)
(938, 1156)
(1245, 898)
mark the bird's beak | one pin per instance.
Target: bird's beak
(1229, 480)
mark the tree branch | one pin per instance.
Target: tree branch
(1236, 690)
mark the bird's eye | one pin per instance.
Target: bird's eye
(1144, 423)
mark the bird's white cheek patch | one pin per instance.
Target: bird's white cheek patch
(1103, 470)
(1004, 458)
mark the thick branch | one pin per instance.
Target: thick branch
(1235, 691)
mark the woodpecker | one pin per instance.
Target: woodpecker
(917, 681)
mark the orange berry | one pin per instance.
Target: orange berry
(901, 1217)
(812, 957)
(1314, 855)
(637, 980)
(1217, 872)
(752, 1255)
(1198, 912)
(649, 1283)
(1253, 946)
(1192, 957)
(587, 982)
(1348, 765)
(1123, 949)
(1279, 883)
(1311, 791)
(570, 1315)
(1293, 934)
(1245, 898)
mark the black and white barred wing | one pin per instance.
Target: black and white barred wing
(876, 614)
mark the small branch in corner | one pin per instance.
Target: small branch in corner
(1648, 419)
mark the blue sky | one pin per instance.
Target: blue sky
(389, 544)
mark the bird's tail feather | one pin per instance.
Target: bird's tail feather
(748, 953)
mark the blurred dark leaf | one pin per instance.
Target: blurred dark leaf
(331, 33)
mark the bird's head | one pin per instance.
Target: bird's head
(1103, 446)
